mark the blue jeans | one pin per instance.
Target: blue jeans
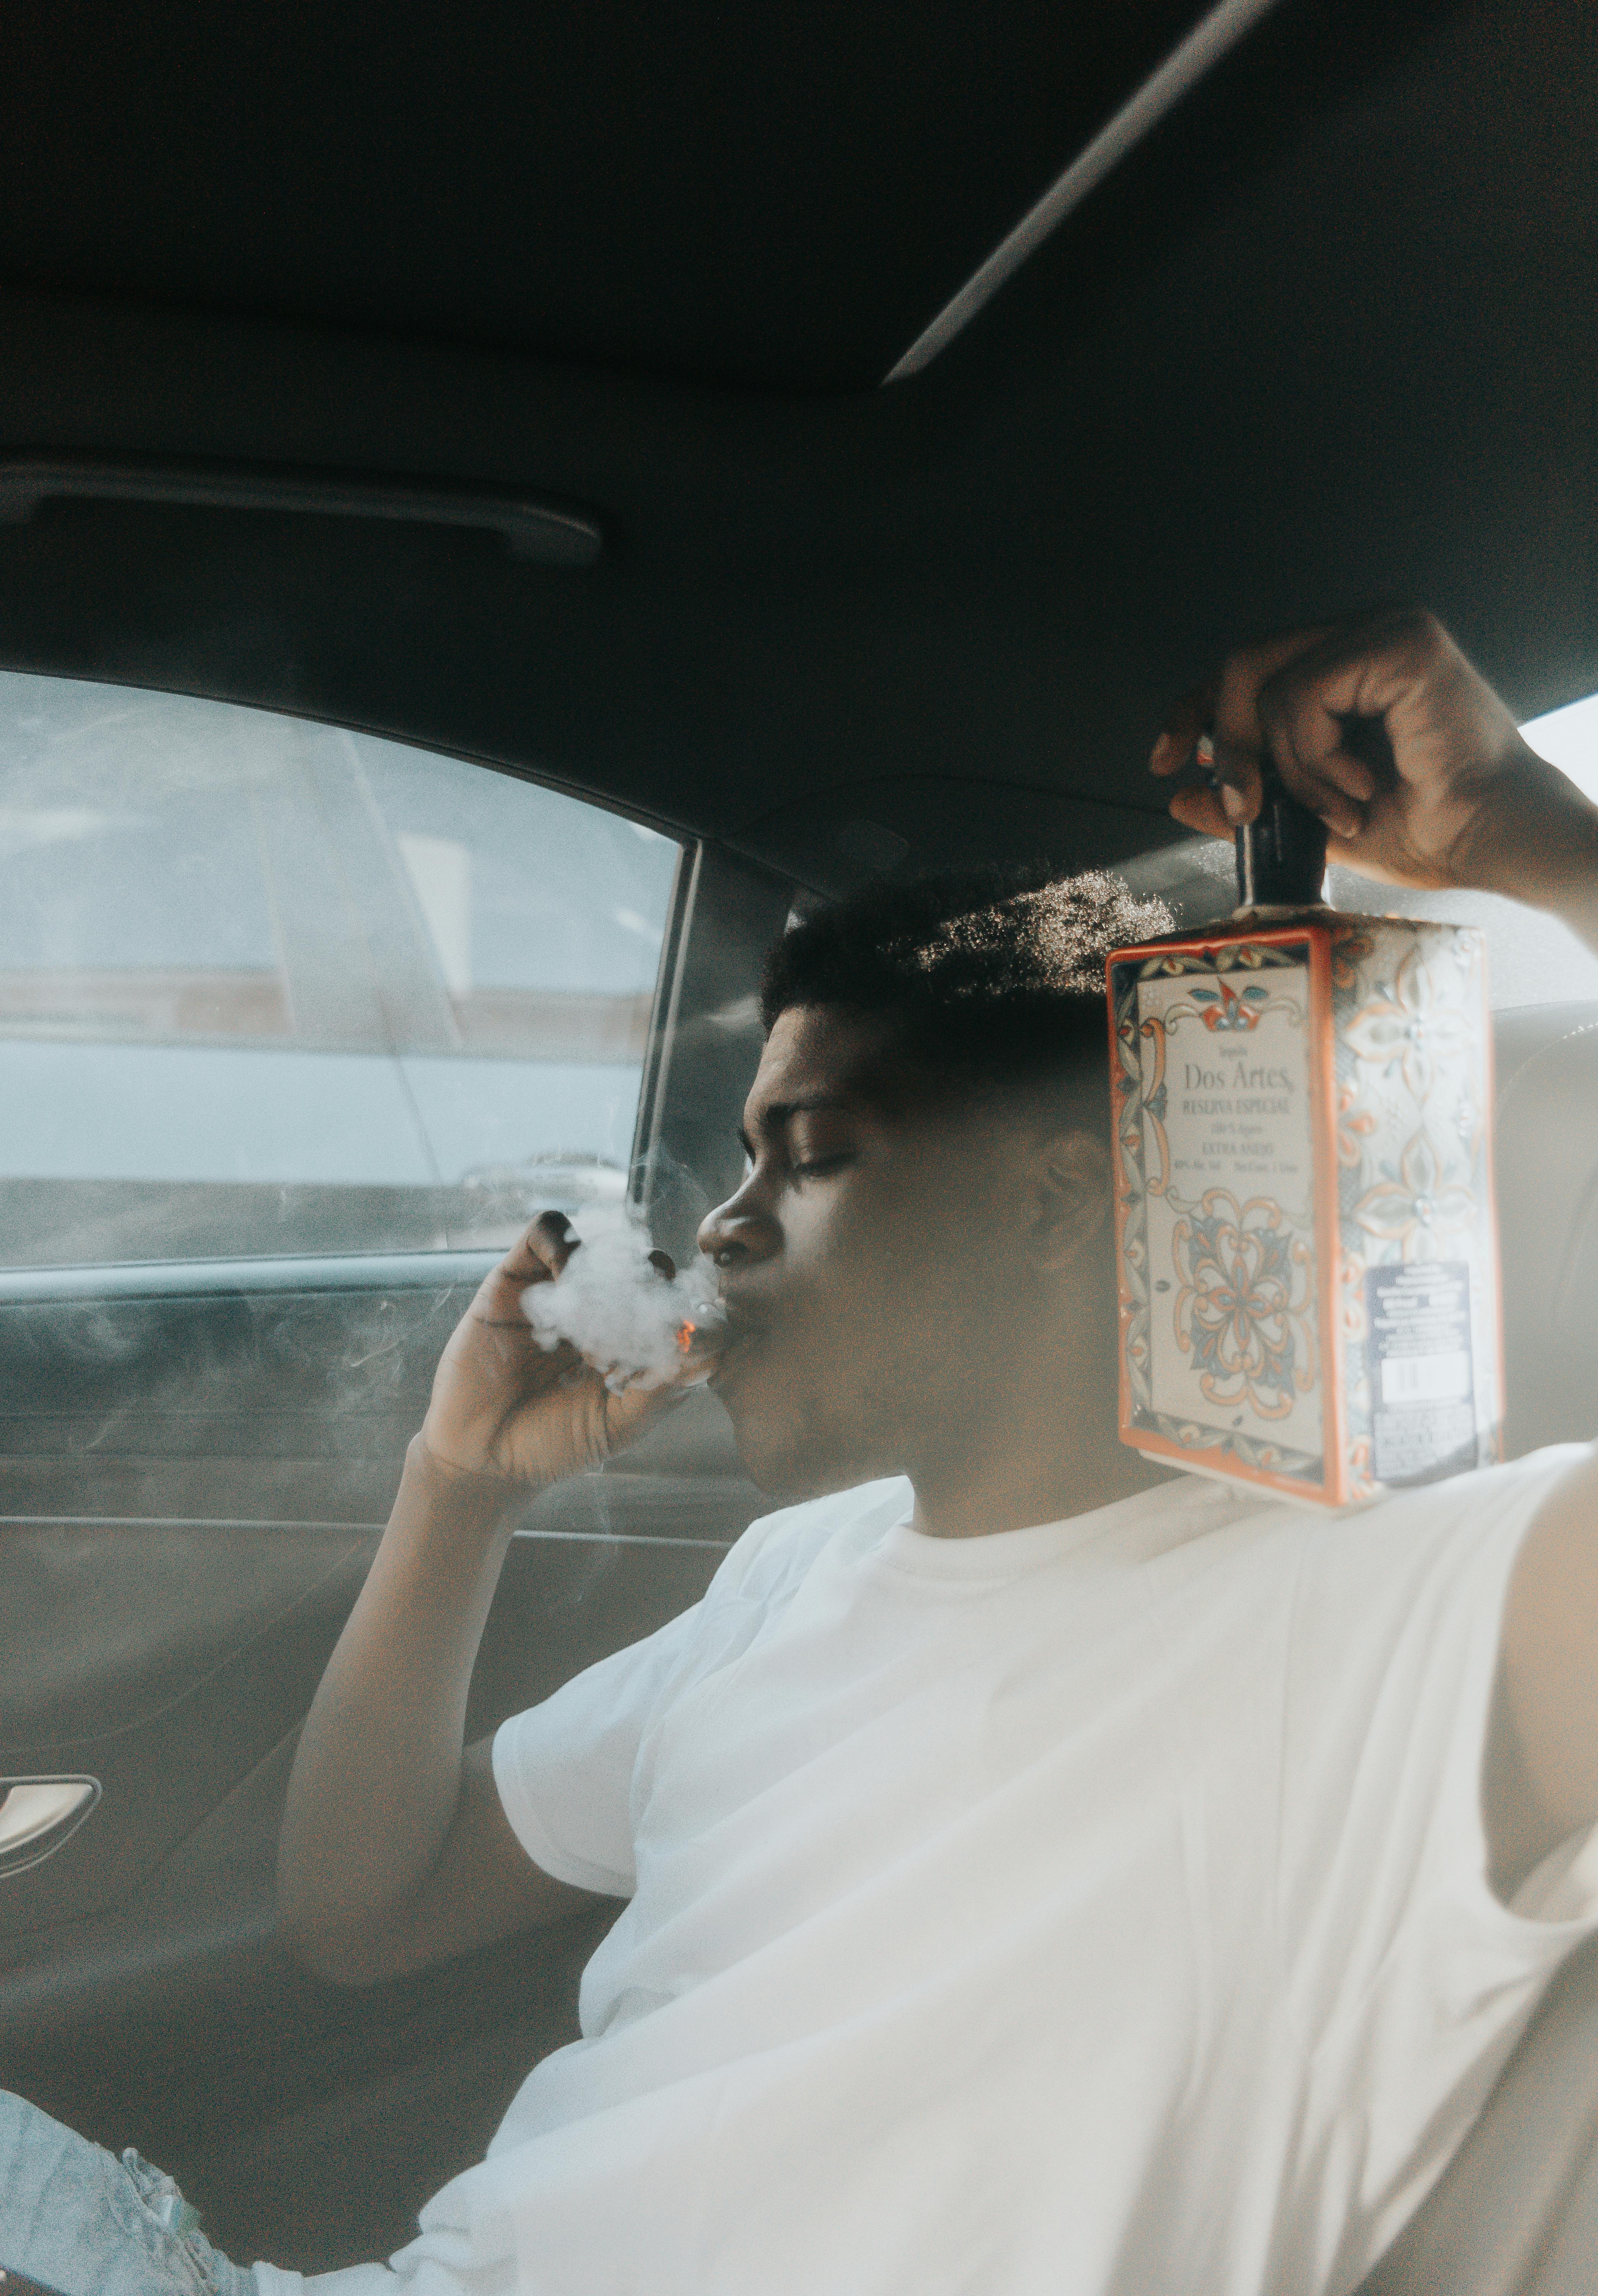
(91, 2226)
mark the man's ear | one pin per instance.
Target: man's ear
(1073, 1197)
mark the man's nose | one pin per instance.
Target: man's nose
(739, 1233)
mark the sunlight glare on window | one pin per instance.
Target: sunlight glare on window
(272, 986)
(1568, 739)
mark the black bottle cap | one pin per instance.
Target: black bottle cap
(1282, 853)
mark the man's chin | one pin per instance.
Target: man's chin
(789, 1457)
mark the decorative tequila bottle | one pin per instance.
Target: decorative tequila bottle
(1305, 1234)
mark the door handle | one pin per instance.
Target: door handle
(37, 1814)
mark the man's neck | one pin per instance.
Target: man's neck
(1046, 1466)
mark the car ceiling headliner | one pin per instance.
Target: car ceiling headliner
(1329, 333)
(780, 194)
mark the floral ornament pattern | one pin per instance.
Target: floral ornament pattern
(1245, 1307)
(1151, 1032)
(1413, 1028)
(1354, 1125)
(1142, 1088)
(1349, 948)
(1132, 1187)
(1469, 1125)
(1418, 1206)
(1351, 1287)
(1224, 1010)
(1362, 1475)
(1219, 956)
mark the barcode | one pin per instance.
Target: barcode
(1425, 1379)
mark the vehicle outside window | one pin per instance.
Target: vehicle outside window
(268, 987)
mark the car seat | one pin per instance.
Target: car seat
(1516, 2213)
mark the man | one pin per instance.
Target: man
(1041, 1873)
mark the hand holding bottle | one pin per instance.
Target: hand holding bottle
(1382, 726)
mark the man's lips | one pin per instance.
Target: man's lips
(744, 1317)
(744, 1332)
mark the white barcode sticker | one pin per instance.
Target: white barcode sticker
(1426, 1378)
(1421, 1369)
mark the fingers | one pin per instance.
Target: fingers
(1305, 740)
(1200, 810)
(1232, 791)
(1324, 713)
(536, 1257)
(1187, 720)
(629, 1412)
(1234, 769)
(1221, 810)
(1310, 702)
(541, 1251)
(1361, 668)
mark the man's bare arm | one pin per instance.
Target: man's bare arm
(1468, 804)
(1540, 1785)
(394, 1848)
(395, 1851)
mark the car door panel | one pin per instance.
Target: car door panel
(141, 1979)
(189, 1653)
(282, 2104)
(166, 1656)
(196, 1648)
(195, 1466)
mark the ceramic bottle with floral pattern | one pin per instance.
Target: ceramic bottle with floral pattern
(1307, 1249)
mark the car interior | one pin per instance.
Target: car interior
(499, 510)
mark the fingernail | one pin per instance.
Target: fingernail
(1234, 804)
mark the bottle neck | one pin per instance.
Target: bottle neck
(1280, 854)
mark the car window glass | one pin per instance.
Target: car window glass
(268, 987)
(1568, 739)
(1532, 958)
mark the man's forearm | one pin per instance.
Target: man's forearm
(377, 1776)
(1568, 889)
(1547, 856)
(1576, 906)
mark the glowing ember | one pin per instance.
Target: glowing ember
(627, 1310)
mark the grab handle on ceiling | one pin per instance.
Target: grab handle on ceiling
(37, 1814)
(535, 530)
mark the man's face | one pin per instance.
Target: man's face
(873, 1261)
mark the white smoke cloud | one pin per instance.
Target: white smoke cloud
(623, 1313)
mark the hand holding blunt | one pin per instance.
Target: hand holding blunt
(506, 1404)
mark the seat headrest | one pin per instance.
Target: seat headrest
(1546, 1156)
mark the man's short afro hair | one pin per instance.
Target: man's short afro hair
(997, 976)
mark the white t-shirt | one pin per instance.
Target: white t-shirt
(1078, 1911)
